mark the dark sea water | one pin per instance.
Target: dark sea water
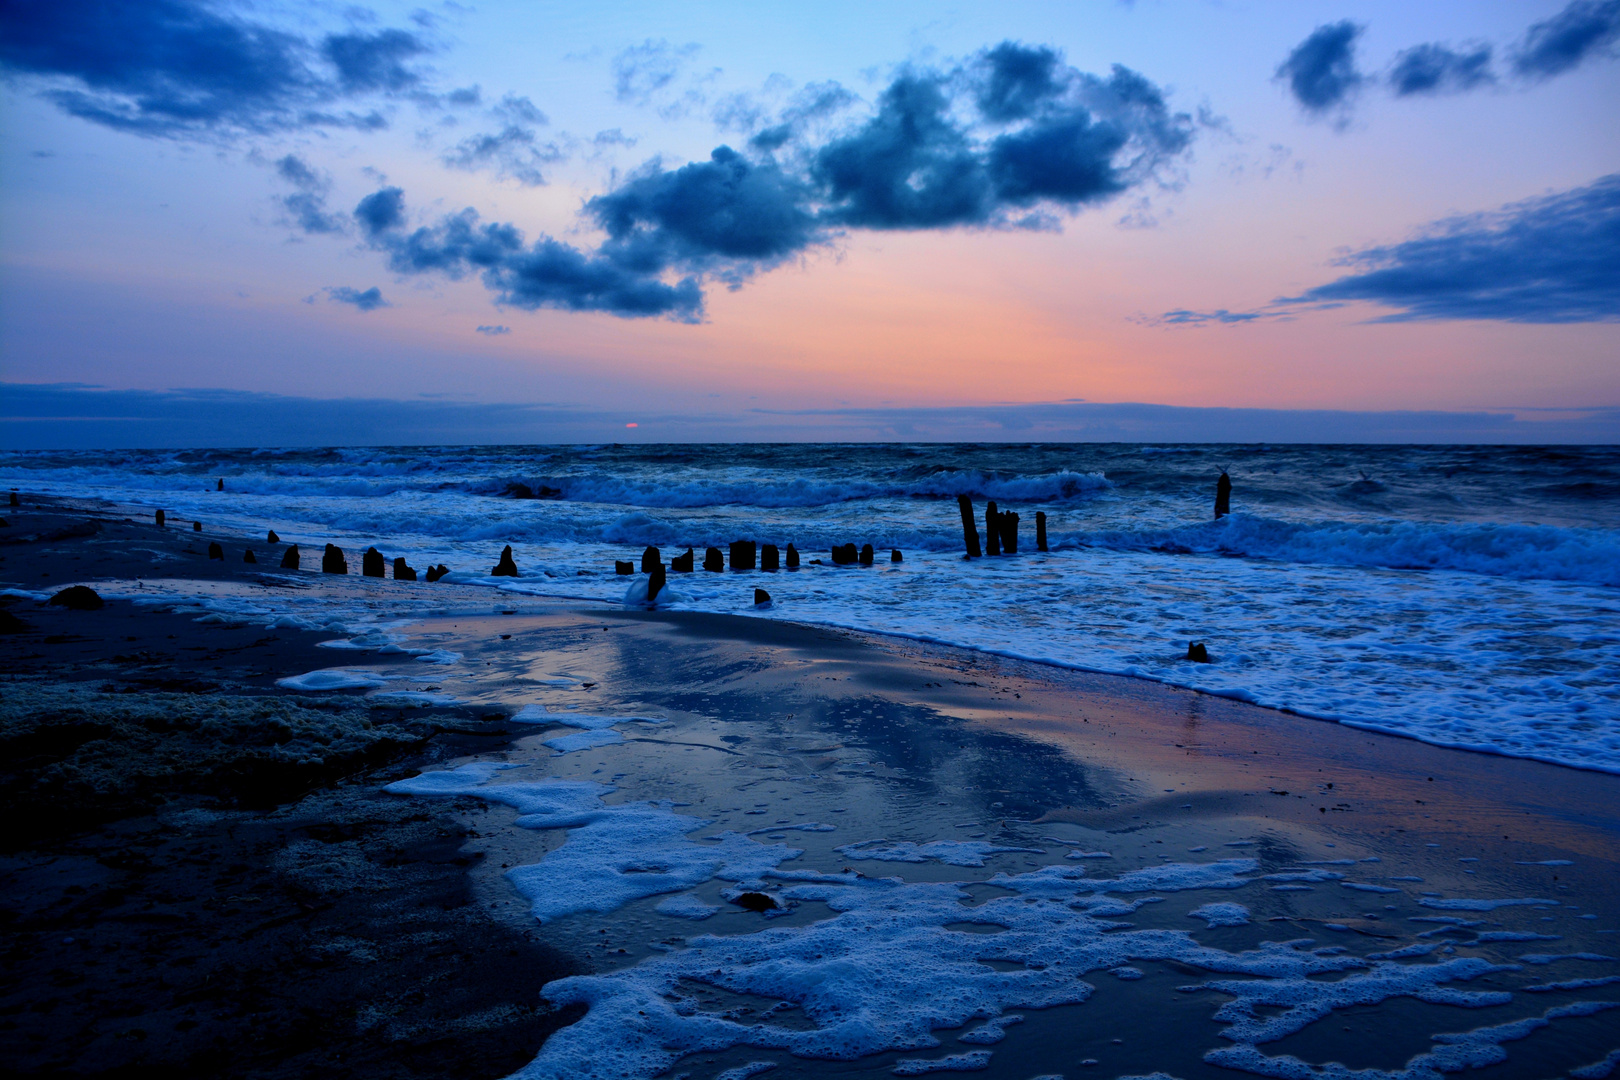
(1464, 596)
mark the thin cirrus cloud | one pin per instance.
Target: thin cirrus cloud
(1322, 75)
(181, 68)
(1551, 259)
(1011, 139)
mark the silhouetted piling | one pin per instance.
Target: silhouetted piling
(333, 562)
(14, 500)
(650, 558)
(158, 517)
(1197, 653)
(372, 563)
(682, 564)
(844, 554)
(289, 558)
(770, 558)
(1040, 530)
(196, 526)
(894, 556)
(761, 597)
(506, 567)
(248, 556)
(867, 555)
(655, 582)
(221, 485)
(1223, 495)
(742, 554)
(402, 570)
(713, 561)
(992, 530)
(434, 573)
(1009, 531)
(970, 530)
(216, 552)
(792, 557)
(623, 566)
(271, 537)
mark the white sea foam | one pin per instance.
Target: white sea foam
(333, 679)
(539, 714)
(1221, 915)
(950, 852)
(584, 740)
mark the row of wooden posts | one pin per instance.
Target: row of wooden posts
(1000, 529)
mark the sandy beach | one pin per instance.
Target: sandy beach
(205, 874)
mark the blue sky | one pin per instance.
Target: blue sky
(1363, 207)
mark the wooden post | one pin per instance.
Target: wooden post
(372, 563)
(992, 530)
(158, 517)
(792, 557)
(289, 558)
(970, 531)
(623, 566)
(714, 561)
(867, 555)
(761, 597)
(682, 564)
(742, 554)
(655, 583)
(1040, 530)
(1223, 495)
(895, 556)
(402, 571)
(649, 559)
(216, 552)
(272, 538)
(770, 558)
(333, 562)
(1009, 532)
(507, 567)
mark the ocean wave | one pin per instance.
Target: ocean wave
(1542, 552)
(773, 492)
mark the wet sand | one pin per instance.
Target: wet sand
(235, 913)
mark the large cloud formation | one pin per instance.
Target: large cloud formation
(191, 68)
(1552, 259)
(1584, 29)
(1010, 139)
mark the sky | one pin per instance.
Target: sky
(319, 222)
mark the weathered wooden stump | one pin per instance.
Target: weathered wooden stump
(970, 530)
(867, 555)
(506, 567)
(271, 537)
(895, 556)
(434, 573)
(196, 526)
(248, 556)
(1223, 495)
(792, 557)
(682, 564)
(402, 570)
(1009, 531)
(216, 552)
(333, 562)
(1197, 653)
(714, 561)
(623, 566)
(992, 530)
(289, 558)
(649, 559)
(761, 597)
(742, 554)
(844, 554)
(769, 557)
(372, 563)
(158, 517)
(1040, 530)
(655, 582)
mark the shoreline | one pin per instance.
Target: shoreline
(880, 718)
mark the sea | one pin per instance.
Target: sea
(1465, 596)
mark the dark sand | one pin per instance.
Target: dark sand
(201, 874)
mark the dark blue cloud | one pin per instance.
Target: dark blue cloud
(1552, 259)
(307, 207)
(727, 215)
(930, 155)
(369, 300)
(1584, 29)
(381, 210)
(494, 331)
(1438, 69)
(192, 68)
(547, 274)
(1321, 71)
